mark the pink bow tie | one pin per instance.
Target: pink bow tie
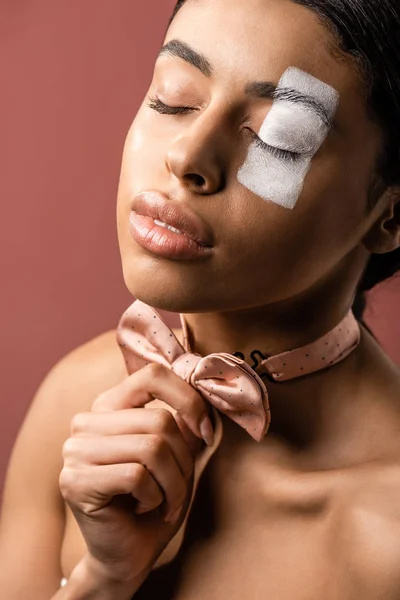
(224, 380)
(227, 382)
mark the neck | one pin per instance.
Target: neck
(271, 329)
(328, 420)
(280, 326)
(305, 410)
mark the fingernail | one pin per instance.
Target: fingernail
(207, 431)
(142, 508)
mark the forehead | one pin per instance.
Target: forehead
(259, 40)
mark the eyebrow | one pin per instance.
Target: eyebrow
(258, 89)
(185, 52)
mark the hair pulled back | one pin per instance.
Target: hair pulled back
(368, 32)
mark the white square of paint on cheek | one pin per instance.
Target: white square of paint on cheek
(270, 178)
(293, 126)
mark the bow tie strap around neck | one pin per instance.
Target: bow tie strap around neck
(325, 352)
(228, 383)
(224, 380)
(322, 353)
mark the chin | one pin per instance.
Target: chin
(167, 285)
(171, 294)
(166, 299)
(181, 287)
(159, 301)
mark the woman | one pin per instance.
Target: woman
(268, 142)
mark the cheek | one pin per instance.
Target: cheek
(142, 154)
(273, 179)
(276, 179)
(134, 158)
(138, 140)
(288, 125)
(327, 225)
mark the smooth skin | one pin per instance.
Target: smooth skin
(312, 511)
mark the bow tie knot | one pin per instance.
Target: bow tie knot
(230, 385)
(224, 380)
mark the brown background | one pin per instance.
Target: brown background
(72, 77)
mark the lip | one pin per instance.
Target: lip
(195, 240)
(157, 205)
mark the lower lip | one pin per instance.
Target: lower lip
(164, 242)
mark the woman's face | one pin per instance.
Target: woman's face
(279, 179)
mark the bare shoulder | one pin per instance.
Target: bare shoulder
(92, 368)
(95, 366)
(74, 382)
(70, 387)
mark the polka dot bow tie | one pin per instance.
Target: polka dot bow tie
(226, 381)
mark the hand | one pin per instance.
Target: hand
(128, 470)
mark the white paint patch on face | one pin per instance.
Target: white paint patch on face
(294, 126)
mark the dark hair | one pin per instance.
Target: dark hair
(368, 31)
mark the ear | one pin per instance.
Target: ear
(384, 234)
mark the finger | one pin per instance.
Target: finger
(92, 488)
(151, 451)
(157, 381)
(157, 421)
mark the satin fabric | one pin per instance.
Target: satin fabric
(224, 380)
(228, 383)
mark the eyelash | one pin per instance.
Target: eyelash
(278, 152)
(156, 104)
(164, 109)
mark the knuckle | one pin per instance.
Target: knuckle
(74, 488)
(155, 445)
(79, 423)
(163, 420)
(66, 482)
(100, 401)
(134, 475)
(156, 370)
(69, 447)
(195, 398)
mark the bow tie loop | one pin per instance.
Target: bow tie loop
(230, 385)
(224, 380)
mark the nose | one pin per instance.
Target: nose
(197, 157)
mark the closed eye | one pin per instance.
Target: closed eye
(278, 152)
(164, 109)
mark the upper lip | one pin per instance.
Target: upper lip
(157, 205)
